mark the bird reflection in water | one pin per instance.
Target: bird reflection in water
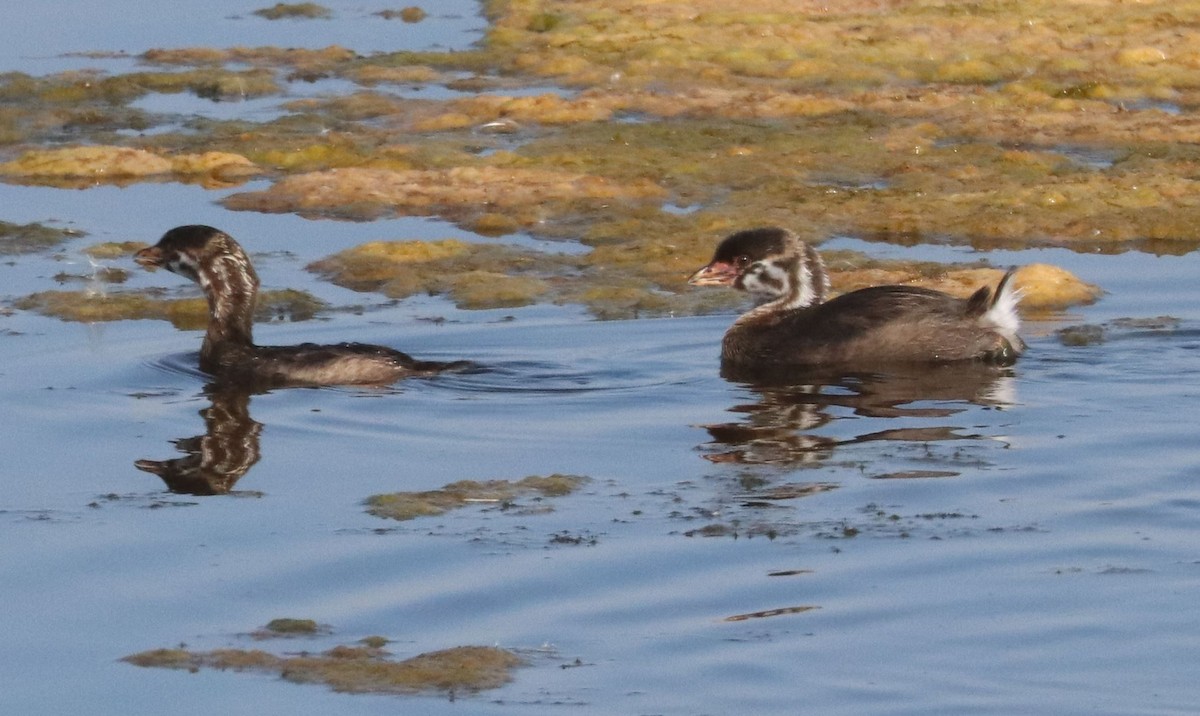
(213, 462)
(779, 425)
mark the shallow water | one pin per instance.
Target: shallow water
(1011, 542)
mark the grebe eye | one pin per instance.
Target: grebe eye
(742, 262)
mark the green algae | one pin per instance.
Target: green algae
(411, 505)
(91, 87)
(113, 249)
(31, 238)
(410, 14)
(163, 659)
(303, 10)
(366, 193)
(184, 313)
(361, 669)
(90, 165)
(478, 276)
(631, 279)
(1082, 335)
(89, 307)
(288, 625)
(1088, 334)
(916, 122)
(99, 274)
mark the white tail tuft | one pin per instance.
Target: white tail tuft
(1002, 313)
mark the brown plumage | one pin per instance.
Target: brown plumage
(223, 271)
(868, 327)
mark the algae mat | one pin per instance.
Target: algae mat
(648, 130)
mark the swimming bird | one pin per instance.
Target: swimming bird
(221, 268)
(796, 326)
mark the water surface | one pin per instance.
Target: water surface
(952, 541)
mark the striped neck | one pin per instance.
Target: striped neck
(231, 287)
(791, 280)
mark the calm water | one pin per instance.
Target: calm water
(1021, 542)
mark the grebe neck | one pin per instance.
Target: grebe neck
(231, 287)
(795, 280)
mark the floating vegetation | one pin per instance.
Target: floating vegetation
(354, 193)
(789, 491)
(915, 474)
(363, 668)
(98, 165)
(1156, 323)
(782, 611)
(183, 313)
(758, 519)
(1089, 334)
(474, 276)
(648, 278)
(113, 249)
(905, 123)
(297, 58)
(303, 10)
(574, 539)
(31, 238)
(289, 627)
(410, 505)
(410, 14)
(96, 93)
(99, 274)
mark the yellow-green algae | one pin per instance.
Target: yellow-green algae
(357, 669)
(31, 238)
(100, 164)
(291, 625)
(183, 313)
(474, 276)
(308, 10)
(410, 505)
(90, 86)
(616, 281)
(113, 249)
(368, 193)
(297, 58)
(410, 14)
(995, 124)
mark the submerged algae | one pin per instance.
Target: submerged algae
(308, 10)
(288, 627)
(410, 505)
(358, 669)
(183, 313)
(31, 238)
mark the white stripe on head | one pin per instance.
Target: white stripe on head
(182, 264)
(791, 281)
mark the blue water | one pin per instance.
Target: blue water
(987, 543)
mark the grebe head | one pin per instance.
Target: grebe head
(193, 251)
(771, 263)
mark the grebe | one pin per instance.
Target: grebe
(223, 271)
(868, 327)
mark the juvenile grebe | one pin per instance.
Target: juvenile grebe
(871, 326)
(222, 269)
